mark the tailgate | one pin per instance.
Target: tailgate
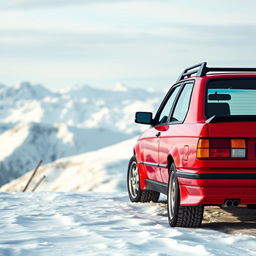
(245, 130)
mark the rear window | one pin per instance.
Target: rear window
(231, 97)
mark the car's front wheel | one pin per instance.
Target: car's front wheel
(181, 216)
(136, 194)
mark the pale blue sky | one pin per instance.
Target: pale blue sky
(62, 43)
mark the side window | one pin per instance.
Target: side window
(167, 108)
(182, 105)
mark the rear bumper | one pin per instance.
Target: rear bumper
(215, 188)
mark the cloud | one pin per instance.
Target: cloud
(24, 4)
(135, 39)
(154, 49)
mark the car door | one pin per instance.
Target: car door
(171, 137)
(151, 137)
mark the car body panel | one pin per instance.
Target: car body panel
(216, 191)
(178, 142)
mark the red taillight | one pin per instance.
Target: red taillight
(219, 152)
(221, 148)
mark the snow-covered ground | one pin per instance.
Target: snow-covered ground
(102, 223)
(50, 223)
(35, 124)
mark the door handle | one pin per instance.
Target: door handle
(158, 134)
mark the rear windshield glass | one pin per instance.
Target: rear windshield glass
(231, 97)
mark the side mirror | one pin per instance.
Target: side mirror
(143, 117)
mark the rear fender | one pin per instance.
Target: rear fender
(174, 157)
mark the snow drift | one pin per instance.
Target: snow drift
(50, 223)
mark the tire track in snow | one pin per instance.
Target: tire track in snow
(103, 224)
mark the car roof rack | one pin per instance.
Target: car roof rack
(201, 69)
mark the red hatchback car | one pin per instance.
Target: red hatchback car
(200, 148)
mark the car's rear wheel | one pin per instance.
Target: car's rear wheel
(181, 216)
(136, 194)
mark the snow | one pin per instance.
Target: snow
(103, 224)
(65, 134)
(120, 87)
(101, 170)
(85, 137)
(31, 111)
(26, 144)
(80, 106)
(37, 123)
(9, 144)
(102, 221)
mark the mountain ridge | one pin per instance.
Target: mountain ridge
(36, 123)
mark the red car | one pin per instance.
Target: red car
(200, 148)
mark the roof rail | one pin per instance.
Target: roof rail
(198, 69)
(201, 70)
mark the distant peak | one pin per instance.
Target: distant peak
(81, 87)
(120, 88)
(28, 85)
(24, 84)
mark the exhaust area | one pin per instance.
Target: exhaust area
(231, 203)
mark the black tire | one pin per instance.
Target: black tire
(136, 194)
(251, 206)
(181, 216)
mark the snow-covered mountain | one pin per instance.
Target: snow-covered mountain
(26, 144)
(83, 107)
(98, 171)
(36, 123)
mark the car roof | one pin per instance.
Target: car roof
(201, 70)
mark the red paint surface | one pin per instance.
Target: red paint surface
(179, 142)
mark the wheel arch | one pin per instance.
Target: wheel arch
(142, 172)
(170, 161)
(173, 157)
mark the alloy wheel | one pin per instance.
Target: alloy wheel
(134, 180)
(172, 198)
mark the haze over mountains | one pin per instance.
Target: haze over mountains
(37, 123)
